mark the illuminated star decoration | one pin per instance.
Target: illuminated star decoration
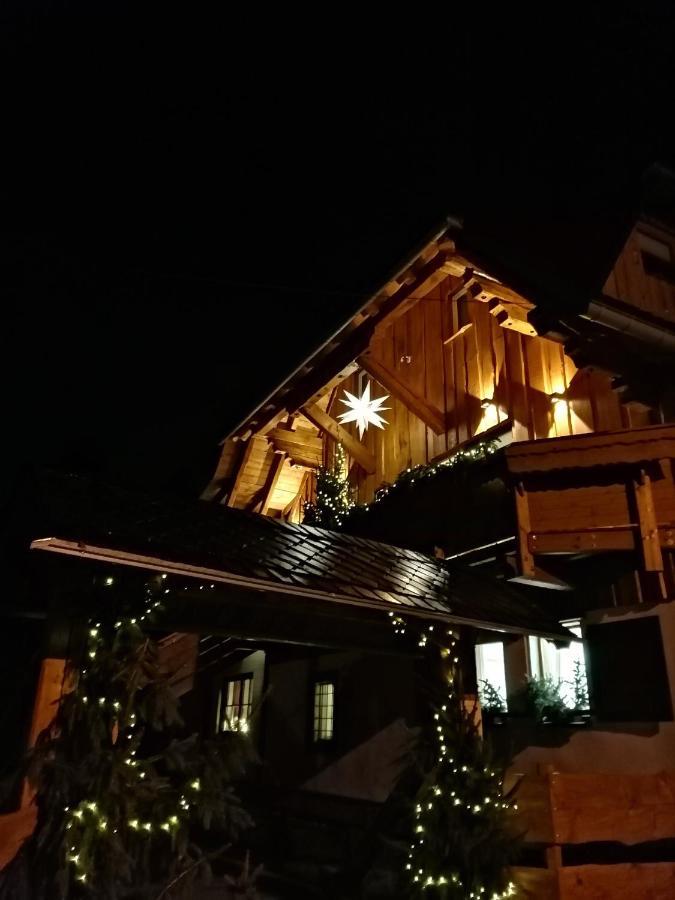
(364, 411)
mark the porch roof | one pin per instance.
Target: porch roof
(80, 517)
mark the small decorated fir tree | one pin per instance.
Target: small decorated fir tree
(120, 794)
(464, 839)
(333, 496)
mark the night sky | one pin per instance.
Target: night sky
(189, 208)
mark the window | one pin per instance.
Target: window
(565, 665)
(653, 247)
(656, 258)
(490, 669)
(324, 710)
(234, 704)
(628, 669)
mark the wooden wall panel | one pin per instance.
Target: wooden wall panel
(516, 378)
(637, 881)
(630, 809)
(539, 389)
(434, 370)
(631, 284)
(453, 354)
(605, 402)
(481, 361)
(473, 354)
(575, 508)
(460, 386)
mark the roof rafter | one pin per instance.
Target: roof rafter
(328, 424)
(429, 414)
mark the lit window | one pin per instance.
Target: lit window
(324, 697)
(234, 704)
(653, 247)
(565, 666)
(491, 674)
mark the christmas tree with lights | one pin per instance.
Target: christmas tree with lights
(463, 836)
(333, 495)
(120, 792)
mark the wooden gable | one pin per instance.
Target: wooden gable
(457, 353)
(643, 276)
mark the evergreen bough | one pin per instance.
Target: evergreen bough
(122, 797)
(464, 837)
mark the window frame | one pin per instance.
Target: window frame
(222, 705)
(502, 685)
(317, 680)
(536, 651)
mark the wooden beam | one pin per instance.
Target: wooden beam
(429, 414)
(648, 528)
(303, 448)
(458, 333)
(355, 449)
(595, 540)
(433, 272)
(479, 287)
(272, 480)
(426, 277)
(583, 540)
(508, 315)
(232, 496)
(525, 557)
(543, 579)
(289, 508)
(333, 383)
(653, 442)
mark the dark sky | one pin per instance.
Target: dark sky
(189, 207)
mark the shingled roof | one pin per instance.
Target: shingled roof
(74, 514)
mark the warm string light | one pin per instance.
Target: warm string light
(456, 795)
(333, 496)
(88, 813)
(420, 473)
(346, 506)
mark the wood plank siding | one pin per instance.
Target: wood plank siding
(477, 379)
(563, 809)
(456, 351)
(643, 276)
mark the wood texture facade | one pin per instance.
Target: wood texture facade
(455, 348)
(643, 276)
(566, 810)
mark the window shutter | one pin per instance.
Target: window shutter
(629, 681)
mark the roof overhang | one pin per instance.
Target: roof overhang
(119, 557)
(449, 250)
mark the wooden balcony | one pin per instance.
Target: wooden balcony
(593, 493)
(565, 812)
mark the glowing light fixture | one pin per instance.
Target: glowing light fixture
(364, 411)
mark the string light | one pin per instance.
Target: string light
(88, 814)
(326, 502)
(462, 784)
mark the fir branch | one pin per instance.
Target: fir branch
(187, 873)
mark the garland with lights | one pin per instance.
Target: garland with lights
(334, 505)
(464, 839)
(119, 791)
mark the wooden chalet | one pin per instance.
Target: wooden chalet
(280, 630)
(521, 491)
(575, 505)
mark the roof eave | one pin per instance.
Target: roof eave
(435, 235)
(115, 556)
